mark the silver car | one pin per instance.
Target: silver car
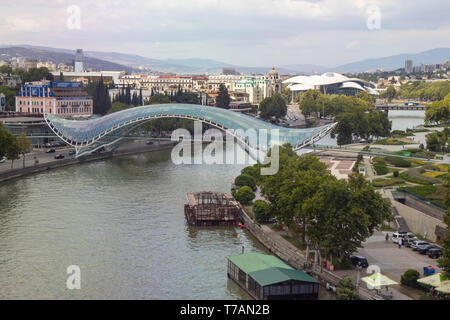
(417, 243)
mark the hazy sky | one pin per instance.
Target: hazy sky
(242, 32)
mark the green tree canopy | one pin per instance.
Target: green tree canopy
(223, 98)
(346, 290)
(439, 111)
(244, 195)
(245, 180)
(274, 106)
(159, 98)
(262, 210)
(444, 260)
(23, 144)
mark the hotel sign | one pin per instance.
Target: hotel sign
(67, 84)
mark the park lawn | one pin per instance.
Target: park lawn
(381, 182)
(434, 174)
(434, 194)
(295, 239)
(415, 175)
(416, 162)
(442, 167)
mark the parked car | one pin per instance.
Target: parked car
(148, 142)
(417, 243)
(59, 156)
(434, 253)
(359, 261)
(398, 235)
(409, 242)
(71, 152)
(423, 249)
(2, 160)
(50, 151)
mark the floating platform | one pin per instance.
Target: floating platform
(207, 208)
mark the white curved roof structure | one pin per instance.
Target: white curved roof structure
(328, 79)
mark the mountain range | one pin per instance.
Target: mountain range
(99, 60)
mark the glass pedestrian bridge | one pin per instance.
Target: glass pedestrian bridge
(90, 135)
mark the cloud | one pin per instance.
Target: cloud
(254, 32)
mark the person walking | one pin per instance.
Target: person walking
(387, 236)
(400, 242)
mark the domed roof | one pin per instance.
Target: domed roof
(273, 72)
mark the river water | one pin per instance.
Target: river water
(122, 222)
(402, 120)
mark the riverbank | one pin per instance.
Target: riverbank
(47, 161)
(290, 254)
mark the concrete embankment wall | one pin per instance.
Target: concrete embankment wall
(419, 222)
(420, 218)
(296, 258)
(17, 173)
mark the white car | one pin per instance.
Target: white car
(3, 160)
(406, 236)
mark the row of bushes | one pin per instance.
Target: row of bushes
(420, 191)
(398, 162)
(416, 174)
(405, 176)
(380, 182)
(380, 168)
(391, 142)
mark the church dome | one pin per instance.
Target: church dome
(273, 72)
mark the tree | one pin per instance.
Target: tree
(23, 144)
(410, 277)
(244, 195)
(444, 260)
(6, 69)
(12, 150)
(100, 96)
(223, 98)
(310, 102)
(346, 290)
(245, 180)
(118, 106)
(141, 99)
(341, 215)
(344, 129)
(5, 140)
(158, 98)
(35, 74)
(438, 141)
(261, 209)
(390, 93)
(365, 96)
(438, 112)
(274, 106)
(10, 97)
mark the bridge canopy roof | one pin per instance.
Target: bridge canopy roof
(89, 131)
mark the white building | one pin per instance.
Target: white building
(329, 83)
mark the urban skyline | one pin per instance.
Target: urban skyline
(289, 31)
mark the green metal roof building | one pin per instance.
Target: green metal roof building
(266, 277)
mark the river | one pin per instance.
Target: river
(122, 222)
(402, 120)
